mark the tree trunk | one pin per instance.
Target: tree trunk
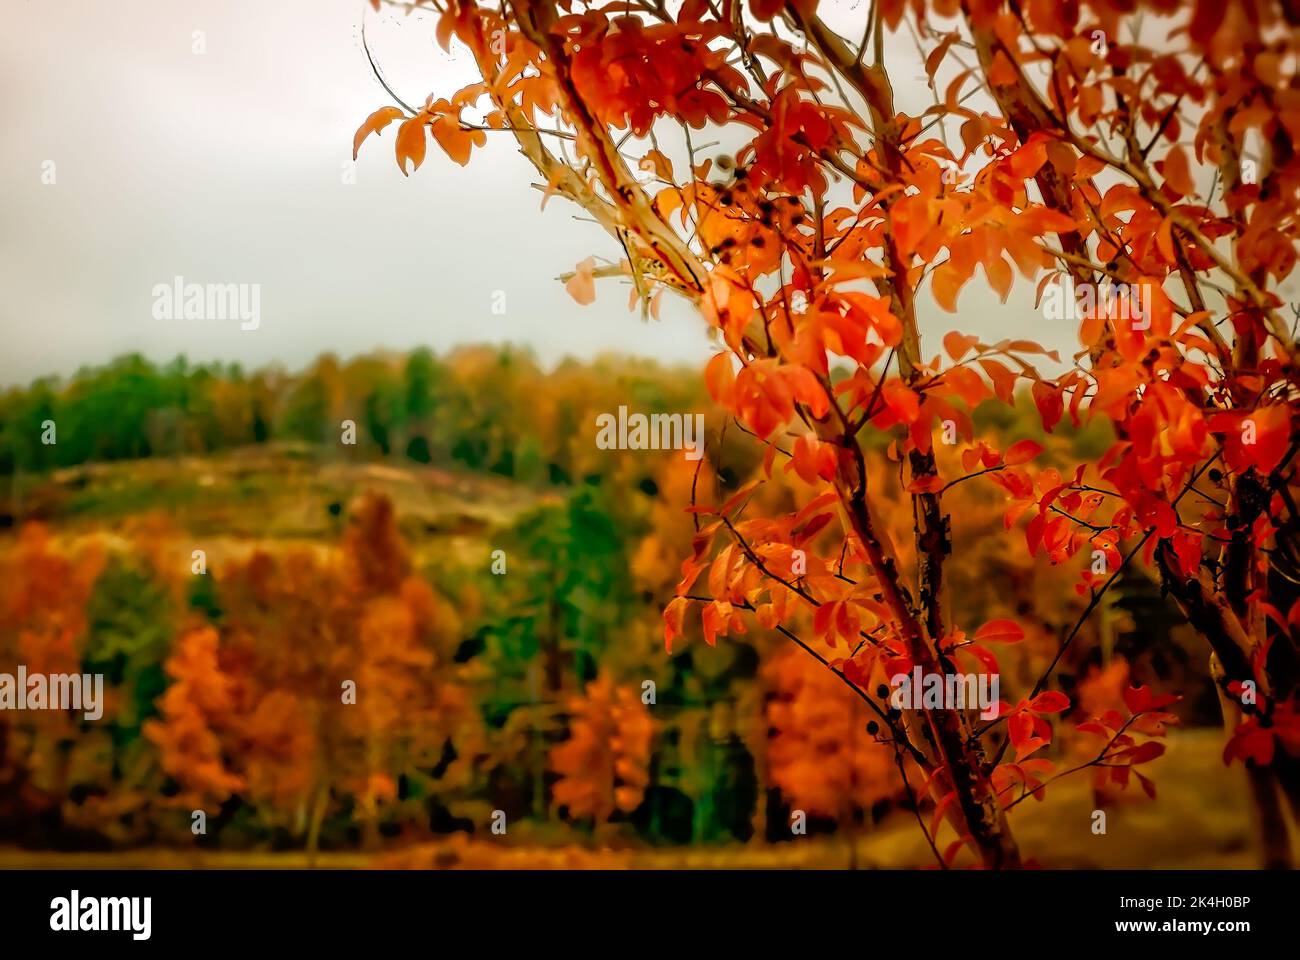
(1269, 819)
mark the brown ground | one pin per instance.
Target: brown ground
(1199, 820)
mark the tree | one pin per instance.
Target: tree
(822, 756)
(603, 765)
(44, 625)
(1063, 153)
(311, 410)
(330, 680)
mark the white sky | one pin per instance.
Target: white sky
(226, 167)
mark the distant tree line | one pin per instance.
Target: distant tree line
(489, 409)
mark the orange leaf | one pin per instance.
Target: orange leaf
(926, 484)
(582, 285)
(1004, 381)
(1165, 240)
(1003, 72)
(958, 344)
(720, 378)
(374, 123)
(1178, 176)
(1022, 451)
(946, 283)
(410, 144)
(455, 141)
(812, 459)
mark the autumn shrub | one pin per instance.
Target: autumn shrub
(1150, 170)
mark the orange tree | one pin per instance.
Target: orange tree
(1133, 160)
(329, 680)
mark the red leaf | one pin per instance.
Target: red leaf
(1145, 752)
(1000, 631)
(1050, 701)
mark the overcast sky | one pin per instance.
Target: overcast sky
(227, 167)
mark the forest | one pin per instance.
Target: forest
(491, 582)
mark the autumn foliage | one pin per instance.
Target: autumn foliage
(1140, 154)
(261, 706)
(602, 767)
